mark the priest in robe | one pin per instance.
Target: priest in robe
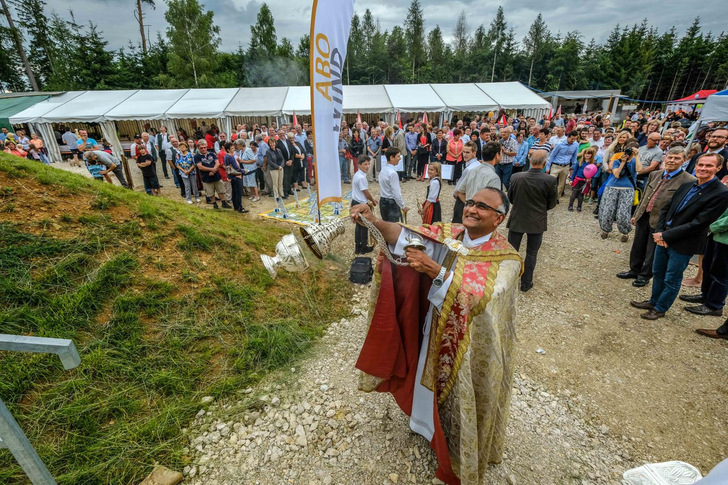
(442, 333)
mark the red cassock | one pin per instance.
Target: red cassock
(392, 346)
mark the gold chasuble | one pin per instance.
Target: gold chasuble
(469, 347)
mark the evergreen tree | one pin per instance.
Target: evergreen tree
(11, 68)
(497, 36)
(415, 38)
(303, 57)
(478, 55)
(461, 40)
(438, 58)
(93, 62)
(397, 62)
(355, 52)
(263, 40)
(37, 29)
(564, 68)
(535, 43)
(193, 40)
(368, 27)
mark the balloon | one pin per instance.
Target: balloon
(590, 170)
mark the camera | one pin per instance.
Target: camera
(628, 151)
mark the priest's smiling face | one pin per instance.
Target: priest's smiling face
(479, 220)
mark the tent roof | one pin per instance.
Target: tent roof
(464, 97)
(91, 106)
(202, 103)
(298, 99)
(12, 105)
(257, 102)
(513, 95)
(35, 112)
(366, 99)
(695, 97)
(146, 105)
(414, 98)
(715, 107)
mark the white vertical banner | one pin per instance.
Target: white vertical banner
(330, 26)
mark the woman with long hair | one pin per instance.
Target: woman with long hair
(455, 154)
(580, 183)
(618, 196)
(423, 152)
(431, 211)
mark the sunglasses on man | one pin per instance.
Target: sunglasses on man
(482, 206)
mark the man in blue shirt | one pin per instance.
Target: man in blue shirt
(260, 158)
(562, 157)
(410, 139)
(85, 143)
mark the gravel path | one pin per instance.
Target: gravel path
(611, 392)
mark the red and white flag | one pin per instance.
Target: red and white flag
(503, 120)
(425, 121)
(295, 119)
(558, 112)
(358, 116)
(399, 120)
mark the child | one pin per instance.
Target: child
(144, 162)
(95, 167)
(37, 142)
(430, 211)
(580, 184)
(360, 195)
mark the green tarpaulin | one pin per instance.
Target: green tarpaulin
(10, 106)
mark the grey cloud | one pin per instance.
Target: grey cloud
(292, 17)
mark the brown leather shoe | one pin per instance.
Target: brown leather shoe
(642, 305)
(706, 332)
(652, 315)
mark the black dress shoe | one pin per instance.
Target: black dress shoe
(642, 305)
(710, 333)
(704, 310)
(652, 315)
(627, 275)
(526, 286)
(640, 282)
(699, 298)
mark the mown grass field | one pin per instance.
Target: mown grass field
(166, 304)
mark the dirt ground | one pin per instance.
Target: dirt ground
(658, 384)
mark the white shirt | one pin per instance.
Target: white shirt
(359, 184)
(389, 185)
(434, 191)
(555, 140)
(599, 143)
(469, 165)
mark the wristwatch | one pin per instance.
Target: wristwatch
(440, 278)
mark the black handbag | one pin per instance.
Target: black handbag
(361, 270)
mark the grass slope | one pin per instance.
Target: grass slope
(166, 304)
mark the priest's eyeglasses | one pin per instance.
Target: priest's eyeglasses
(482, 206)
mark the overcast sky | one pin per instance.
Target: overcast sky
(115, 18)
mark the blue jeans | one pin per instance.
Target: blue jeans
(667, 267)
(504, 171)
(344, 166)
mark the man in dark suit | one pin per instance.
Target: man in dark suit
(533, 194)
(682, 231)
(661, 186)
(287, 150)
(483, 138)
(716, 144)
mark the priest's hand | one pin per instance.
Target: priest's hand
(362, 210)
(421, 262)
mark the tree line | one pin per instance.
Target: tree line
(637, 59)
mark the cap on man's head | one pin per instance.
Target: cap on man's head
(137, 136)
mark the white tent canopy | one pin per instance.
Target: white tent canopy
(366, 99)
(202, 103)
(464, 97)
(715, 107)
(298, 99)
(34, 113)
(513, 95)
(166, 104)
(89, 107)
(146, 105)
(257, 101)
(414, 98)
